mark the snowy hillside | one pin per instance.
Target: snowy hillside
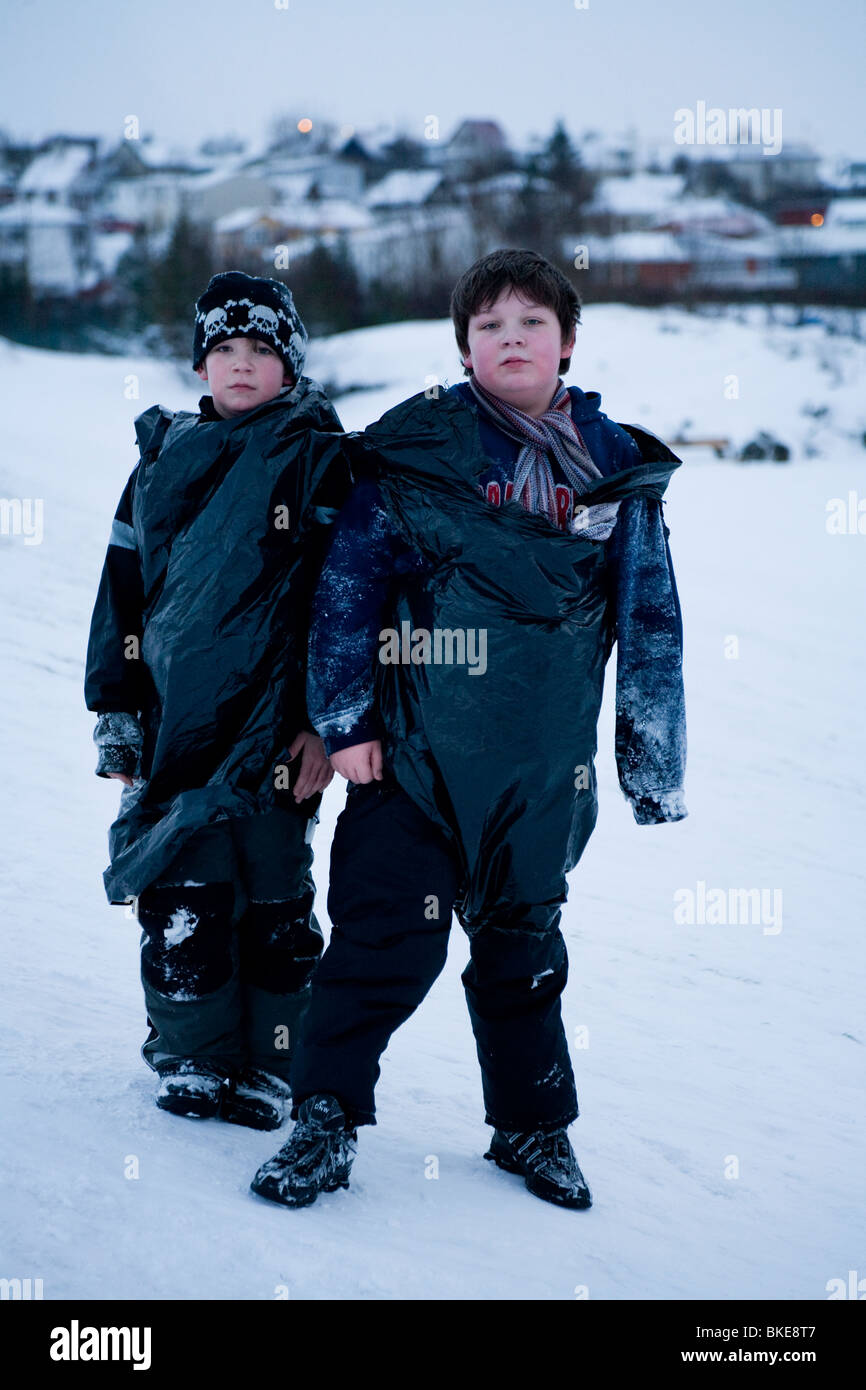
(683, 375)
(721, 1089)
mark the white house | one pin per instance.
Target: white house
(50, 241)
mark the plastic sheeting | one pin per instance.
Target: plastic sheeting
(501, 759)
(230, 520)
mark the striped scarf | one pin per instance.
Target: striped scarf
(554, 431)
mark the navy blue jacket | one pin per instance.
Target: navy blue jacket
(368, 558)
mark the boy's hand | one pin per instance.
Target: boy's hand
(316, 772)
(360, 763)
(121, 777)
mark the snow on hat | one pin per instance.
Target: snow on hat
(237, 305)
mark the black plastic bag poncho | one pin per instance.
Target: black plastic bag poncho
(230, 520)
(502, 761)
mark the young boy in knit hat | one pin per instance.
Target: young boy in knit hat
(468, 604)
(196, 670)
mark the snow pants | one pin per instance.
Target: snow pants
(229, 942)
(394, 879)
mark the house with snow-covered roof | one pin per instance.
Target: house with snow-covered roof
(45, 230)
(757, 175)
(644, 262)
(404, 188)
(255, 233)
(322, 175)
(208, 196)
(477, 147)
(603, 155)
(692, 215)
(631, 203)
(502, 195)
(416, 247)
(741, 264)
(143, 181)
(62, 171)
(830, 258)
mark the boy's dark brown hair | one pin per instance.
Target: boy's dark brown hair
(529, 275)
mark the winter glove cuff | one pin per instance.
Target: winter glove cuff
(659, 807)
(118, 738)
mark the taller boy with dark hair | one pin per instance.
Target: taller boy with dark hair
(196, 667)
(511, 513)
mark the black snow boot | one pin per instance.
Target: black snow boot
(258, 1099)
(192, 1086)
(317, 1158)
(546, 1161)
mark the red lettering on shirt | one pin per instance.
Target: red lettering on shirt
(563, 506)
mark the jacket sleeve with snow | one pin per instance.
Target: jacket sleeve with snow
(114, 678)
(365, 558)
(650, 741)
(112, 686)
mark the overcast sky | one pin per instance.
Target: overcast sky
(192, 68)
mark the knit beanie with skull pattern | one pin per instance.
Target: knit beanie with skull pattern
(236, 305)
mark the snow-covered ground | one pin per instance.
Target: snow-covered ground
(712, 375)
(721, 1089)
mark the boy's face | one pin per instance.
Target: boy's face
(514, 351)
(243, 373)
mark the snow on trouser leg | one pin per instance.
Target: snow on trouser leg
(187, 938)
(188, 974)
(513, 984)
(280, 943)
